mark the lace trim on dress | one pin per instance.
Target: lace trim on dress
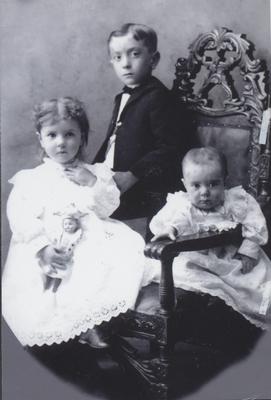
(88, 321)
(228, 301)
(218, 227)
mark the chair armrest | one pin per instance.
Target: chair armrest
(166, 248)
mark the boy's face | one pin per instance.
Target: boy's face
(204, 184)
(131, 59)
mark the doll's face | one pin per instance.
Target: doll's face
(70, 225)
(131, 59)
(204, 184)
(61, 141)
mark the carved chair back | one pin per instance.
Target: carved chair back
(224, 87)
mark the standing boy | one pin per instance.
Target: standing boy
(142, 140)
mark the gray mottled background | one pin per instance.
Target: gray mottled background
(58, 47)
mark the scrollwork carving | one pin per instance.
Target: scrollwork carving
(144, 324)
(230, 50)
(153, 371)
(219, 53)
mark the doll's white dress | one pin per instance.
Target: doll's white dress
(217, 271)
(108, 261)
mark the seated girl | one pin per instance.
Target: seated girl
(93, 265)
(240, 276)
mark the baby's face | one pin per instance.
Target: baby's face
(70, 225)
(131, 59)
(204, 184)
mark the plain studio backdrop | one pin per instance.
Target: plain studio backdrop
(57, 48)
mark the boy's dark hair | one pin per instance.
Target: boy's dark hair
(52, 111)
(205, 155)
(139, 32)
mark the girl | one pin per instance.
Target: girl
(106, 264)
(239, 276)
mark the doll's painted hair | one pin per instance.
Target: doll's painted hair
(139, 32)
(204, 156)
(52, 111)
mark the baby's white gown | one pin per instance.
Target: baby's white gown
(108, 261)
(217, 271)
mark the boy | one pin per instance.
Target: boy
(142, 142)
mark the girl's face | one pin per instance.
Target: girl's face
(61, 141)
(204, 184)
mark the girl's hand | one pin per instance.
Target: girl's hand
(80, 175)
(248, 263)
(58, 260)
(170, 233)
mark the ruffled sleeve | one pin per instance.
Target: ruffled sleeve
(105, 195)
(245, 210)
(25, 211)
(176, 213)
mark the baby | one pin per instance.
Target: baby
(241, 276)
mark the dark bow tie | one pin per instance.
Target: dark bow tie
(129, 90)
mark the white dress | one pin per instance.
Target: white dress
(217, 271)
(108, 261)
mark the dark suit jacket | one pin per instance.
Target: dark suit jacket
(147, 144)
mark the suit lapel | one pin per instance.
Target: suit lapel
(151, 83)
(114, 116)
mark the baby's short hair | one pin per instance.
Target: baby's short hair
(139, 32)
(206, 155)
(51, 111)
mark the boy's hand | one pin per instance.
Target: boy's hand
(248, 263)
(170, 233)
(57, 259)
(124, 180)
(80, 175)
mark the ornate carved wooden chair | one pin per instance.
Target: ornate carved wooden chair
(224, 90)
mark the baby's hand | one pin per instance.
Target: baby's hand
(170, 233)
(124, 180)
(248, 263)
(80, 175)
(58, 260)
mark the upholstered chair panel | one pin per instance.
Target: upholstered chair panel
(234, 142)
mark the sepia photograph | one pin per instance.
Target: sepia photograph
(136, 199)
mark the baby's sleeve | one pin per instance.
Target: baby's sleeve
(24, 212)
(248, 212)
(105, 193)
(175, 214)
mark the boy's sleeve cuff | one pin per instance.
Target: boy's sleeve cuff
(137, 172)
(142, 171)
